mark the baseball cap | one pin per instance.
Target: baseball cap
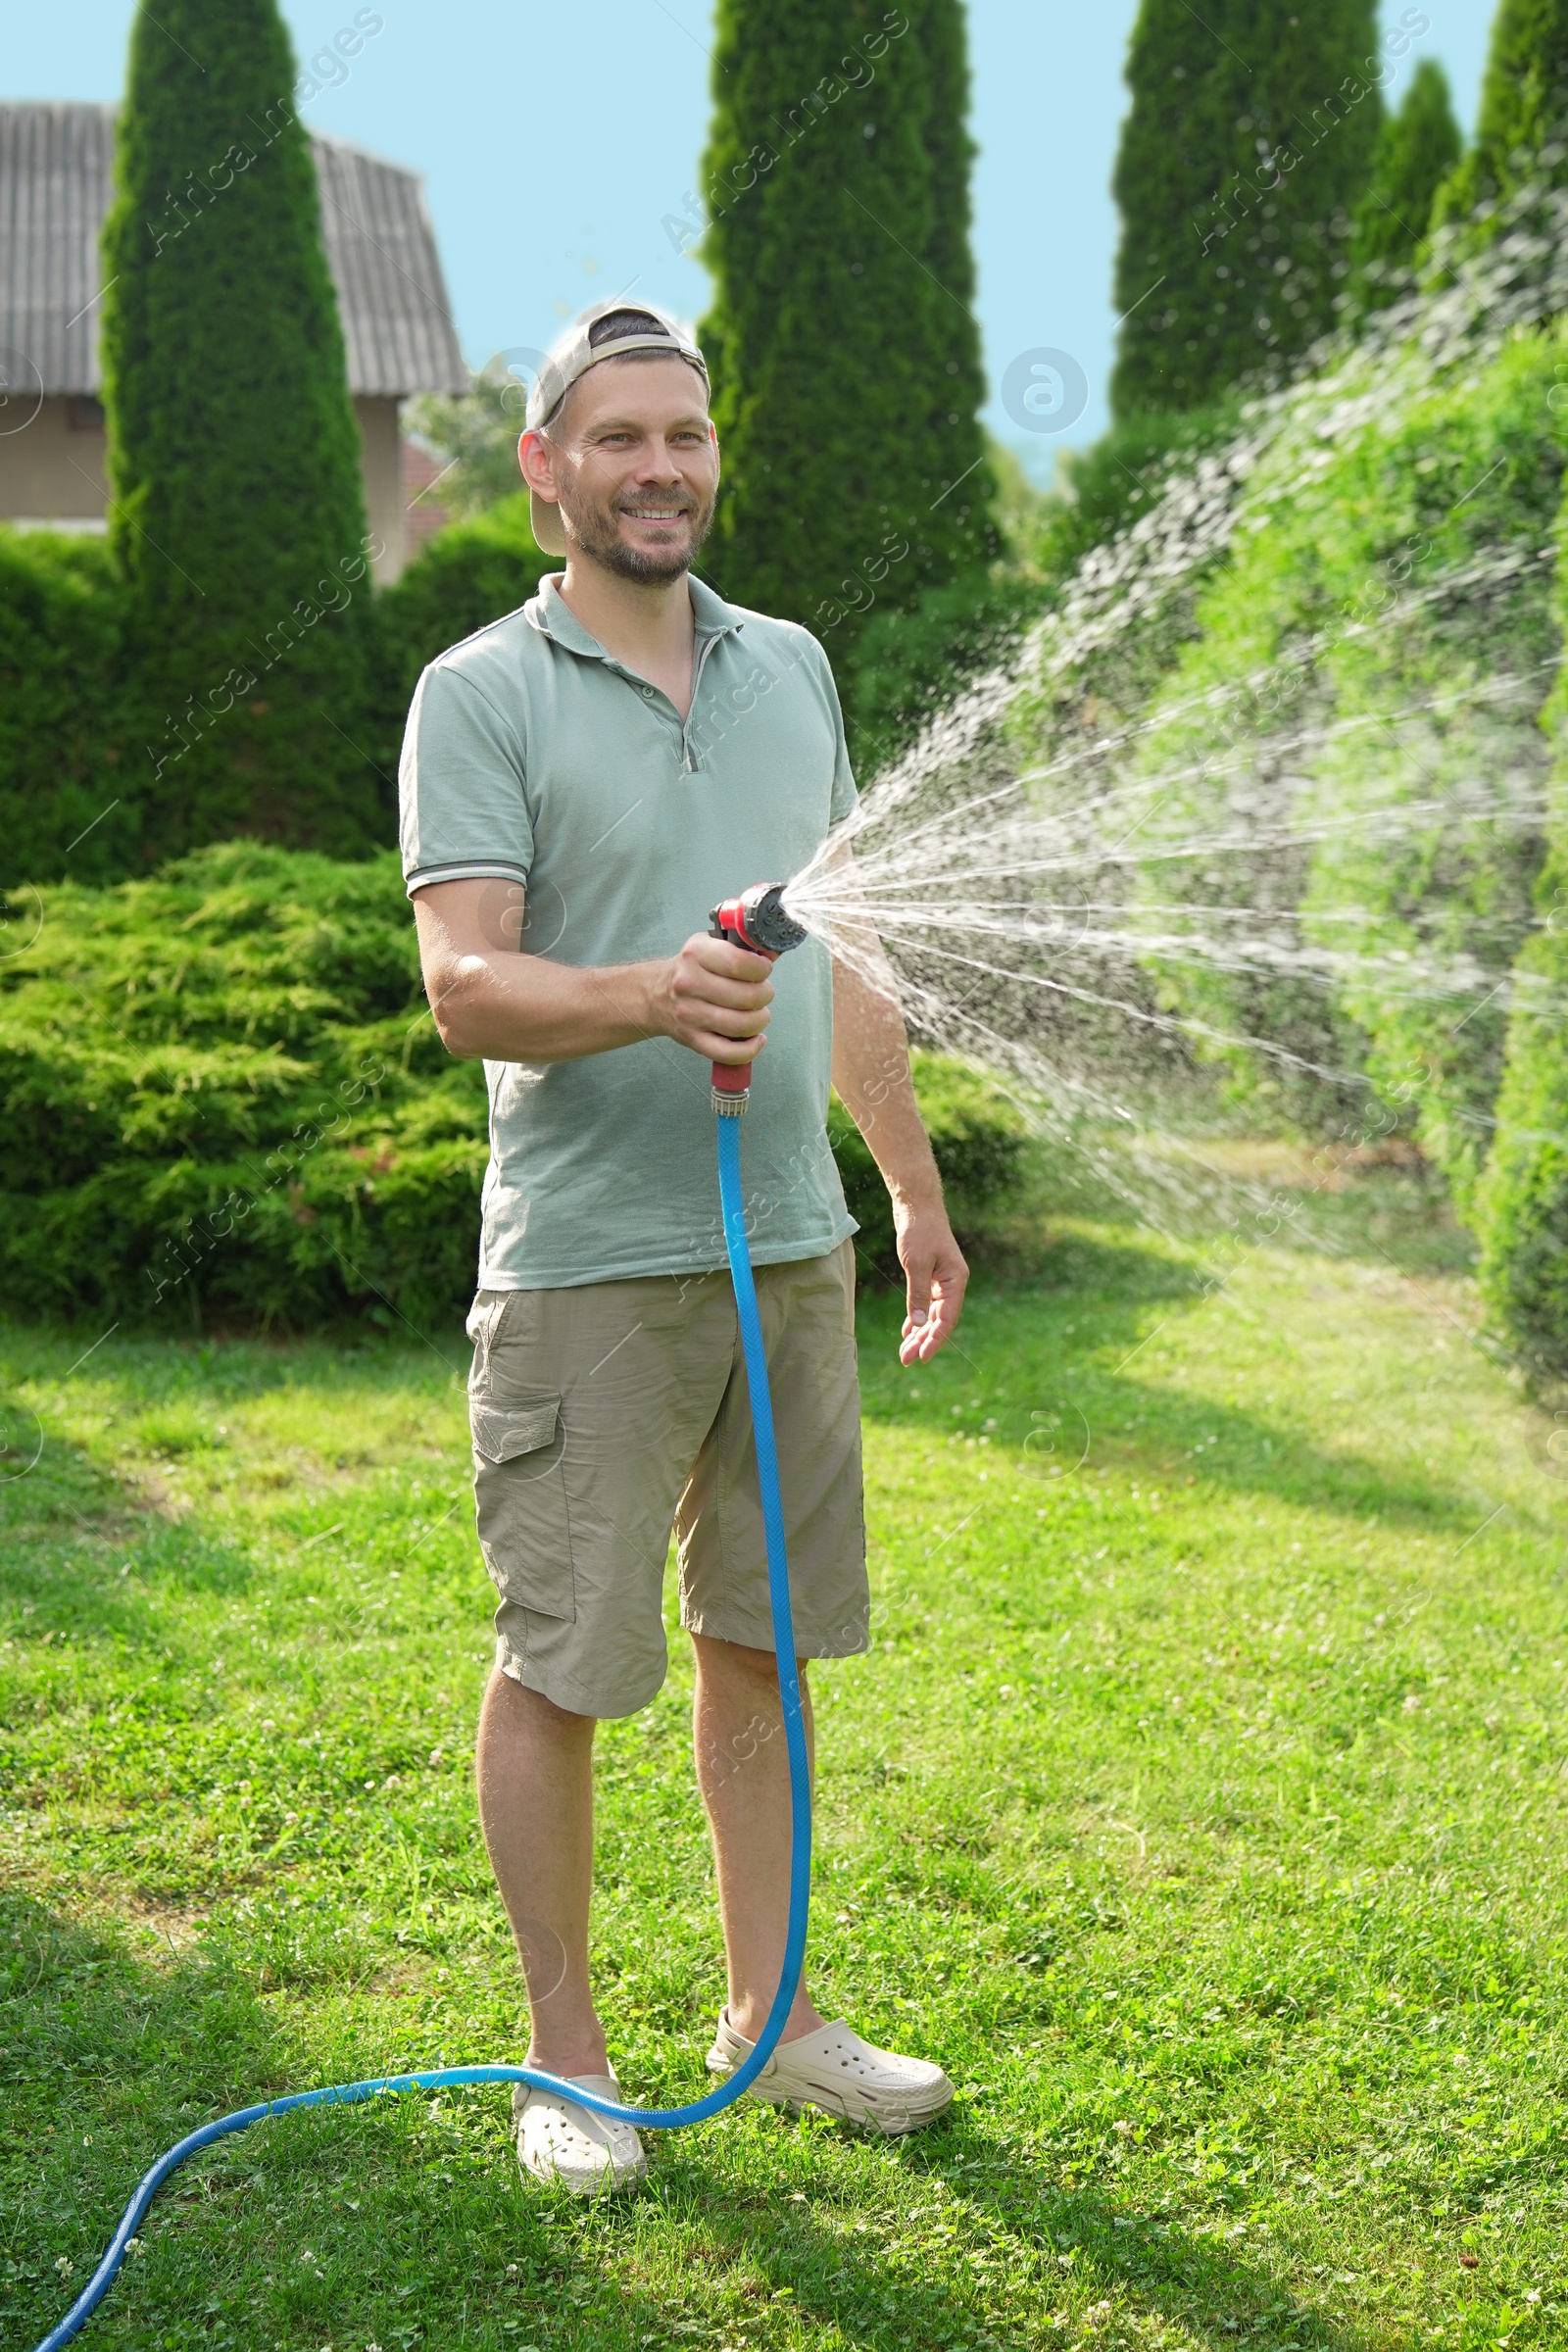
(604, 333)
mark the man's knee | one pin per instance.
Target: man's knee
(737, 1661)
(519, 1704)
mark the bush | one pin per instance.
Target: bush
(906, 666)
(1106, 487)
(1232, 242)
(1346, 682)
(238, 517)
(1522, 1200)
(466, 576)
(221, 1096)
(1094, 532)
(979, 1138)
(474, 438)
(886, 482)
(62, 719)
(1430, 793)
(74, 778)
(1417, 148)
(1521, 1209)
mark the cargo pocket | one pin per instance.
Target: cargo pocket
(520, 1487)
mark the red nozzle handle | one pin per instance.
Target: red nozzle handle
(756, 920)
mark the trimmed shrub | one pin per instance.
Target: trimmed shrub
(1524, 109)
(237, 518)
(846, 364)
(979, 1138)
(1246, 145)
(223, 1098)
(1521, 1210)
(908, 665)
(1431, 792)
(1522, 1200)
(73, 777)
(1345, 680)
(69, 798)
(1417, 149)
(220, 1096)
(464, 576)
(473, 435)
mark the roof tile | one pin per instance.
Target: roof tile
(56, 181)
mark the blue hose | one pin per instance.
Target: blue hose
(664, 2119)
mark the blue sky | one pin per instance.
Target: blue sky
(554, 141)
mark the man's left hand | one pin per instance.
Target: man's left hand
(937, 1274)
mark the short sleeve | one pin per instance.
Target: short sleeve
(846, 795)
(461, 807)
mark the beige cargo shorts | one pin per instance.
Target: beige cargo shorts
(606, 1417)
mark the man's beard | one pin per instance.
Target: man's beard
(595, 531)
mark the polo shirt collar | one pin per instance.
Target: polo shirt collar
(715, 618)
(552, 615)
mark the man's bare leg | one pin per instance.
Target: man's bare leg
(536, 1806)
(744, 1774)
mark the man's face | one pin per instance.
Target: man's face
(635, 465)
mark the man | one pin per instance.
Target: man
(581, 782)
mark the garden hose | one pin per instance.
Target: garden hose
(663, 2119)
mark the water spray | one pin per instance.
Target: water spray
(756, 921)
(1021, 888)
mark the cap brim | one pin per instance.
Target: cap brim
(545, 516)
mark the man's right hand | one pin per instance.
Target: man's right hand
(715, 998)
(490, 998)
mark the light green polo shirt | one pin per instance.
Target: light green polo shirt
(533, 755)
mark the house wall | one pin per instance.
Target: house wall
(52, 472)
(381, 472)
(52, 468)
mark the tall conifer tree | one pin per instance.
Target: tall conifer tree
(1247, 147)
(237, 512)
(1418, 149)
(1523, 106)
(845, 356)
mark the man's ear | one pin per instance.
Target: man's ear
(712, 435)
(537, 463)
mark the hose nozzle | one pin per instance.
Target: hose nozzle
(756, 920)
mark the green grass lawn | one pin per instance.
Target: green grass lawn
(1199, 1806)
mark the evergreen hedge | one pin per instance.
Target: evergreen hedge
(220, 1096)
(1424, 791)
(1522, 1200)
(223, 1099)
(1440, 705)
(1521, 1213)
(979, 1137)
(1416, 151)
(464, 576)
(69, 793)
(1247, 147)
(1524, 109)
(906, 666)
(843, 356)
(74, 784)
(236, 516)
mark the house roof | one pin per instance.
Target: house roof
(56, 170)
